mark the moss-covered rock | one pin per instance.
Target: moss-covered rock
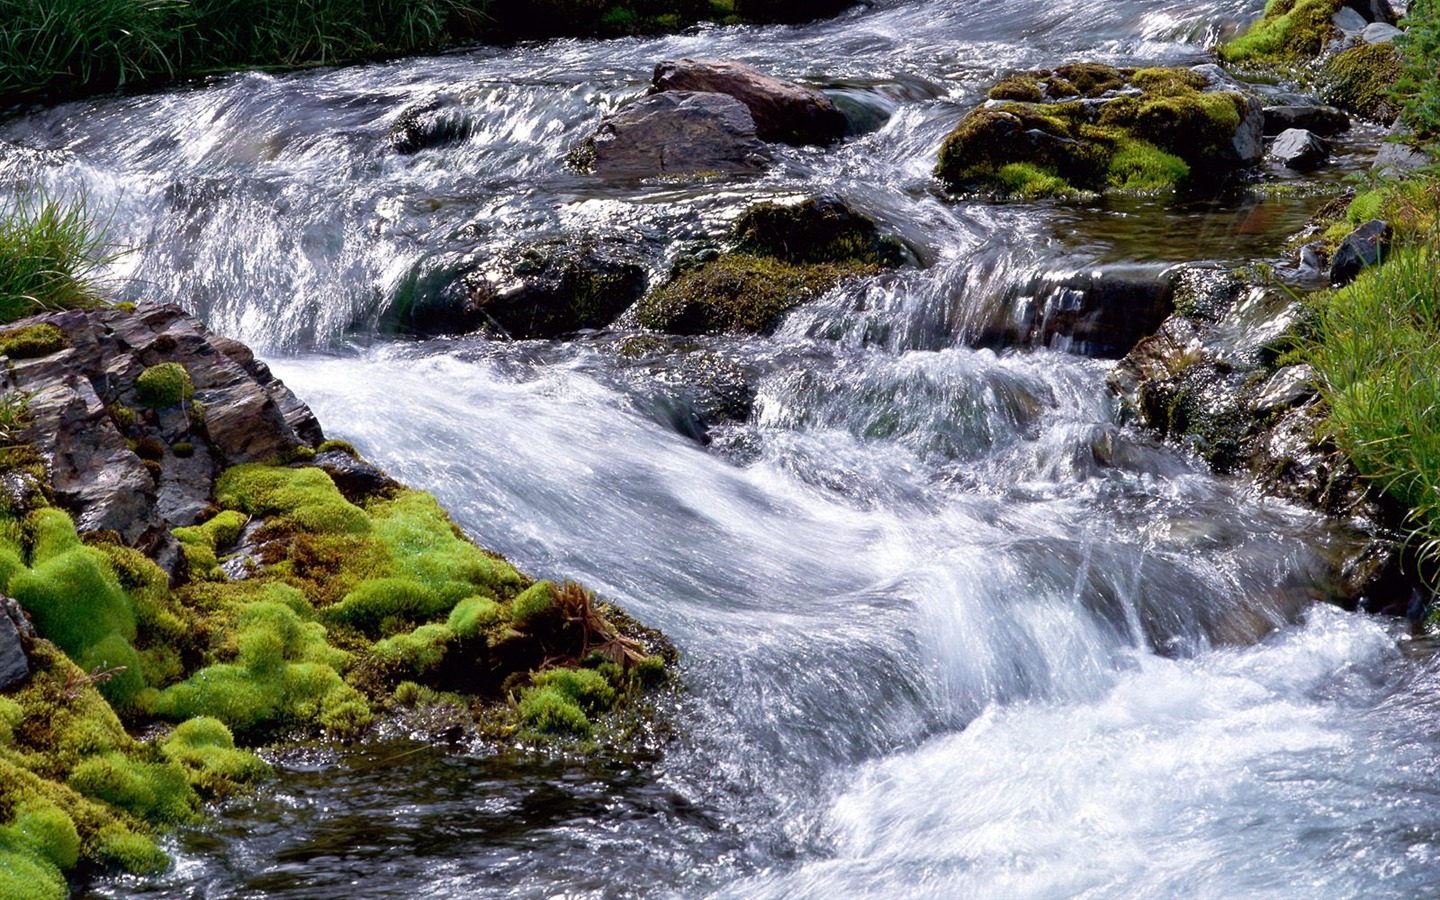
(1289, 32)
(1135, 130)
(784, 255)
(163, 386)
(29, 341)
(1359, 80)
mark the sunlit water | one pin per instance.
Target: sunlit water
(949, 630)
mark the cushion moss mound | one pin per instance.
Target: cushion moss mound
(784, 255)
(1092, 129)
(1289, 32)
(1361, 80)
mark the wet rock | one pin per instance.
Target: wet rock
(1325, 121)
(1289, 386)
(1100, 314)
(1296, 148)
(357, 479)
(541, 290)
(1315, 258)
(675, 133)
(15, 637)
(1380, 33)
(824, 229)
(783, 111)
(434, 123)
(120, 462)
(1360, 248)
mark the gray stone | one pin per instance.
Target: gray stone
(1288, 387)
(1379, 33)
(1314, 257)
(783, 111)
(15, 637)
(1297, 148)
(1247, 147)
(1349, 22)
(1396, 155)
(1325, 121)
(677, 133)
(1365, 246)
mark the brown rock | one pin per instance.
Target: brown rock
(783, 111)
(675, 133)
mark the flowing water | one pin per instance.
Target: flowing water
(949, 629)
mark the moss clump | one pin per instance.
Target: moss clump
(739, 294)
(1361, 80)
(163, 386)
(561, 701)
(472, 616)
(206, 750)
(32, 341)
(1290, 32)
(1129, 142)
(201, 542)
(304, 498)
(1021, 88)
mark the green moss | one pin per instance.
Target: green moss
(200, 542)
(1288, 33)
(1092, 79)
(1361, 80)
(46, 831)
(473, 615)
(343, 446)
(205, 748)
(155, 792)
(131, 851)
(1143, 167)
(588, 687)
(31, 341)
(163, 386)
(738, 294)
(550, 710)
(304, 497)
(1030, 182)
(535, 600)
(27, 875)
(418, 653)
(1023, 88)
(389, 604)
(813, 231)
(284, 673)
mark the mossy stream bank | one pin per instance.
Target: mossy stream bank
(197, 566)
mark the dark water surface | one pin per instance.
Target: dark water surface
(949, 630)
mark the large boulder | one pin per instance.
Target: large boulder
(539, 290)
(1089, 127)
(783, 111)
(1100, 314)
(675, 133)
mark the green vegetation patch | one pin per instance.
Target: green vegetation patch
(1289, 32)
(1362, 80)
(31, 341)
(1117, 141)
(1418, 88)
(50, 251)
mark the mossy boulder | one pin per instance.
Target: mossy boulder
(1359, 80)
(784, 255)
(1288, 33)
(1106, 129)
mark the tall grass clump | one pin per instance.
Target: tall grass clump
(50, 252)
(1377, 351)
(101, 44)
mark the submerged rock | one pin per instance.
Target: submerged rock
(675, 133)
(783, 111)
(424, 126)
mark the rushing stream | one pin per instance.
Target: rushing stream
(949, 630)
